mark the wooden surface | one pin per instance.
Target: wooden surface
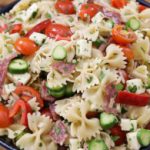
(3, 3)
(2, 148)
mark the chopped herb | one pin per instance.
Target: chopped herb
(89, 80)
(71, 19)
(119, 87)
(57, 130)
(48, 15)
(34, 14)
(132, 127)
(123, 110)
(101, 76)
(40, 144)
(115, 138)
(98, 43)
(132, 89)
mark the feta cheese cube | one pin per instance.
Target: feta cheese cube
(74, 144)
(132, 141)
(19, 78)
(9, 88)
(98, 18)
(38, 38)
(84, 48)
(128, 125)
(135, 86)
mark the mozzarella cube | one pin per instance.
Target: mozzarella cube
(132, 141)
(38, 38)
(137, 84)
(74, 144)
(19, 78)
(84, 48)
(128, 125)
(98, 18)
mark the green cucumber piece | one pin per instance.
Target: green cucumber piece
(97, 145)
(143, 137)
(68, 90)
(119, 87)
(110, 23)
(55, 89)
(59, 53)
(107, 120)
(57, 94)
(18, 66)
(133, 23)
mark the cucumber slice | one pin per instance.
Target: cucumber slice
(18, 66)
(143, 137)
(133, 23)
(68, 90)
(57, 94)
(55, 89)
(107, 120)
(97, 145)
(59, 53)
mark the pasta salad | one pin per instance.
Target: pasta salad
(75, 75)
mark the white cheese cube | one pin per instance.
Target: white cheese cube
(132, 141)
(74, 144)
(84, 48)
(137, 86)
(38, 38)
(98, 18)
(19, 78)
(128, 125)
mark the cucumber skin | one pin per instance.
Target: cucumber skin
(107, 126)
(139, 136)
(17, 70)
(68, 90)
(129, 24)
(55, 89)
(102, 145)
(58, 94)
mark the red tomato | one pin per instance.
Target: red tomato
(3, 27)
(39, 27)
(116, 131)
(25, 109)
(122, 36)
(22, 90)
(88, 11)
(92, 114)
(25, 46)
(142, 7)
(119, 3)
(5, 120)
(133, 99)
(148, 126)
(54, 30)
(16, 28)
(65, 7)
(128, 53)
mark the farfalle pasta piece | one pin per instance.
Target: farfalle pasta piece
(40, 126)
(141, 72)
(34, 104)
(114, 57)
(84, 81)
(12, 131)
(129, 11)
(54, 78)
(80, 124)
(141, 49)
(63, 105)
(96, 94)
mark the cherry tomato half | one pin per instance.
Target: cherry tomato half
(5, 120)
(54, 30)
(65, 7)
(122, 36)
(128, 53)
(26, 46)
(141, 8)
(88, 11)
(16, 28)
(119, 3)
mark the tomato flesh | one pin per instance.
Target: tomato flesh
(121, 36)
(16, 28)
(65, 7)
(26, 46)
(88, 11)
(5, 120)
(133, 99)
(128, 53)
(118, 3)
(54, 30)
